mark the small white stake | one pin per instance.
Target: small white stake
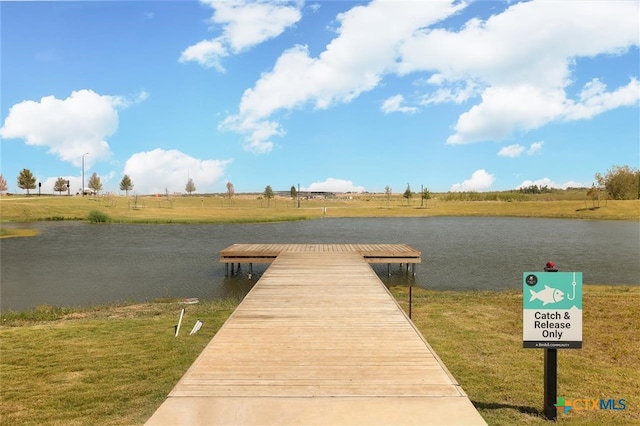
(179, 322)
(196, 327)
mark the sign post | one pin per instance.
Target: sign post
(551, 319)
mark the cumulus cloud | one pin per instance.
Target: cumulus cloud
(394, 104)
(156, 171)
(244, 24)
(69, 127)
(535, 148)
(520, 80)
(364, 50)
(511, 151)
(334, 185)
(551, 184)
(479, 181)
(523, 79)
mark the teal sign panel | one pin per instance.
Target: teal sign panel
(552, 309)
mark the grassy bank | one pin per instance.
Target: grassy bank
(252, 208)
(116, 365)
(102, 366)
(478, 335)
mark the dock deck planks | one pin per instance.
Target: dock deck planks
(318, 340)
(372, 253)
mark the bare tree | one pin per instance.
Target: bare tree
(3, 184)
(387, 192)
(230, 191)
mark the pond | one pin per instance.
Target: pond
(76, 263)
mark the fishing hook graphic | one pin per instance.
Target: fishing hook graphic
(573, 296)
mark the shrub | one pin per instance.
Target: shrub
(96, 216)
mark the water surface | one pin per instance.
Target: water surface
(76, 263)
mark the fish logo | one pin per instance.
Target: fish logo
(548, 295)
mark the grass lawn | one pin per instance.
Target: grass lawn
(478, 335)
(252, 208)
(115, 365)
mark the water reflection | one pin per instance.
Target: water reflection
(73, 263)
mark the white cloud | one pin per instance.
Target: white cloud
(257, 132)
(508, 109)
(354, 62)
(154, 172)
(244, 24)
(511, 151)
(207, 53)
(517, 150)
(394, 104)
(334, 185)
(535, 148)
(480, 180)
(457, 92)
(519, 73)
(594, 99)
(524, 72)
(69, 127)
(551, 184)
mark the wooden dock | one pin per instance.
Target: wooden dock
(319, 340)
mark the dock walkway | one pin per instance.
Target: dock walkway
(319, 340)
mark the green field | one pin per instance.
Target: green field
(115, 365)
(254, 208)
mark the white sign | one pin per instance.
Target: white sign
(552, 310)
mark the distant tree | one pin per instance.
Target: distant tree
(387, 192)
(268, 194)
(126, 184)
(621, 182)
(94, 182)
(3, 184)
(26, 180)
(230, 191)
(294, 194)
(190, 187)
(426, 195)
(594, 194)
(60, 185)
(407, 194)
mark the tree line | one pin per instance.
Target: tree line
(619, 183)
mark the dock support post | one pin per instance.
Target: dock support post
(226, 269)
(388, 269)
(250, 270)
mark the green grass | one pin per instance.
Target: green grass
(478, 335)
(115, 365)
(250, 208)
(103, 365)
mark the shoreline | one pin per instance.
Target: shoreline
(75, 368)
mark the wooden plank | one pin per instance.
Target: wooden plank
(373, 253)
(318, 324)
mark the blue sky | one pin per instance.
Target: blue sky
(330, 95)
